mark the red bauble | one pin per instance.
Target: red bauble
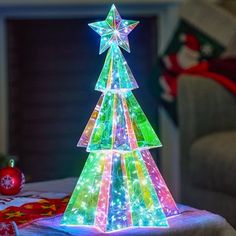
(11, 180)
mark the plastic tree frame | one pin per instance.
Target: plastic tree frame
(120, 185)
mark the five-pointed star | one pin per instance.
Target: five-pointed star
(113, 30)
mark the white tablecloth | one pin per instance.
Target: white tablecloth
(191, 222)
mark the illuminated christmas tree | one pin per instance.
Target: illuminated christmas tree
(120, 185)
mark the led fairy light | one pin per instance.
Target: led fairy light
(120, 185)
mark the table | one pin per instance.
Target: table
(191, 222)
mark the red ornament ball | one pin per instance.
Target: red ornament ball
(11, 180)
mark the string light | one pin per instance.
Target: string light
(120, 185)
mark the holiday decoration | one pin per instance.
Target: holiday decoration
(187, 48)
(195, 40)
(26, 210)
(8, 229)
(11, 179)
(120, 185)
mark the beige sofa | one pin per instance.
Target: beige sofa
(207, 116)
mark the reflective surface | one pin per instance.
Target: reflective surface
(120, 185)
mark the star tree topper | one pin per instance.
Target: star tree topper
(114, 30)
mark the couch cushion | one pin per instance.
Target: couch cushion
(213, 162)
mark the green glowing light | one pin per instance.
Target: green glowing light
(120, 185)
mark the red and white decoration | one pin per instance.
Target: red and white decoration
(11, 180)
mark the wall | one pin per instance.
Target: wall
(68, 2)
(3, 90)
